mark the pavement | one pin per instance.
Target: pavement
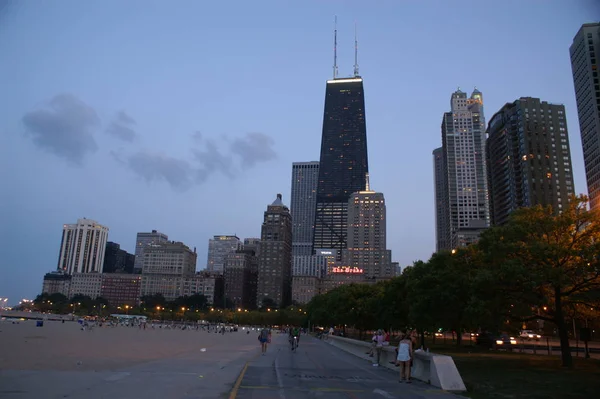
(60, 361)
(318, 370)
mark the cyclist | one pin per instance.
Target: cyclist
(293, 332)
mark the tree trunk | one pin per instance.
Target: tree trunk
(563, 334)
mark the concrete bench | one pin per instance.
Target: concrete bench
(437, 370)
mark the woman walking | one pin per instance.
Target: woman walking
(405, 353)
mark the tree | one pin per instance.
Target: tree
(152, 301)
(268, 303)
(548, 265)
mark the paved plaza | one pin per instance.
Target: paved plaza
(61, 361)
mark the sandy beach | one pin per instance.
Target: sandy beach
(62, 347)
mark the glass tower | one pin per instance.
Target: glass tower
(343, 163)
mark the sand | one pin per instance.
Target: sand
(57, 346)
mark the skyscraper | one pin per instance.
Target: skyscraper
(585, 52)
(166, 266)
(82, 247)
(464, 168)
(275, 257)
(367, 235)
(218, 249)
(344, 162)
(528, 157)
(141, 242)
(305, 176)
(442, 224)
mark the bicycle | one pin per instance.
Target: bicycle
(294, 343)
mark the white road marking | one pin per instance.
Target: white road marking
(383, 393)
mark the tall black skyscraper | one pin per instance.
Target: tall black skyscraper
(344, 163)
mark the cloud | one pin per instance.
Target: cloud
(160, 167)
(64, 128)
(207, 159)
(254, 148)
(121, 127)
(212, 160)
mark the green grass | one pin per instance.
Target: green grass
(495, 375)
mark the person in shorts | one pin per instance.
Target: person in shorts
(264, 336)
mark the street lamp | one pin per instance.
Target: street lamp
(127, 309)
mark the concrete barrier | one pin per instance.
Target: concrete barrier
(437, 370)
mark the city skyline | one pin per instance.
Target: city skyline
(131, 176)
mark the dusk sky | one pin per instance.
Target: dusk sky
(186, 116)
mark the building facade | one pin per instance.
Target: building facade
(585, 53)
(528, 157)
(367, 235)
(121, 289)
(442, 222)
(200, 283)
(305, 176)
(252, 244)
(142, 241)
(275, 258)
(88, 284)
(305, 288)
(241, 278)
(312, 265)
(164, 268)
(57, 283)
(218, 249)
(117, 260)
(343, 163)
(464, 169)
(82, 247)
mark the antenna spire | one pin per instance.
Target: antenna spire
(335, 68)
(355, 52)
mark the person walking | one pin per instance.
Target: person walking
(405, 354)
(264, 337)
(379, 340)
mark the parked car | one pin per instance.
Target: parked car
(529, 334)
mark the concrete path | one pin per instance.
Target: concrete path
(318, 370)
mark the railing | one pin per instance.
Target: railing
(437, 370)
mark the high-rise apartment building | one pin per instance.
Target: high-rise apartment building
(142, 241)
(442, 223)
(275, 258)
(165, 266)
(343, 164)
(241, 278)
(218, 249)
(121, 289)
(528, 157)
(464, 169)
(305, 176)
(367, 250)
(252, 244)
(117, 260)
(585, 53)
(82, 247)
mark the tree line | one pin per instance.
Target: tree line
(191, 308)
(539, 266)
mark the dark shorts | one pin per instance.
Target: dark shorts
(263, 340)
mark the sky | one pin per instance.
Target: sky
(186, 116)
